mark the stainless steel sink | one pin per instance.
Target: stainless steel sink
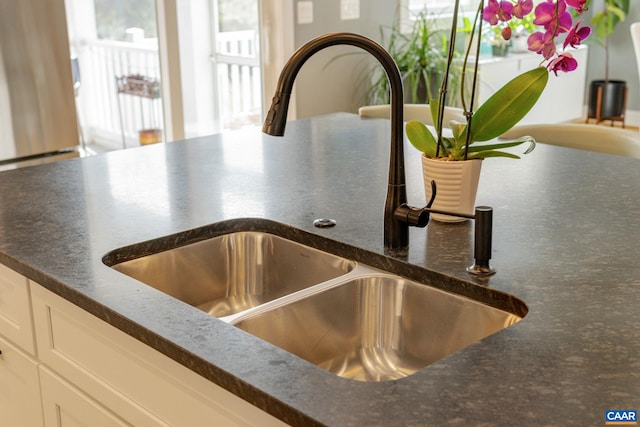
(376, 327)
(234, 272)
(355, 313)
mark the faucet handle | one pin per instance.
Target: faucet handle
(416, 217)
(483, 217)
(434, 190)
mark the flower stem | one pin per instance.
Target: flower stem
(445, 79)
(468, 51)
(469, 112)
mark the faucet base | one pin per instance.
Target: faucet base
(401, 254)
(481, 270)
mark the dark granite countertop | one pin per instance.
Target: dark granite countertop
(566, 242)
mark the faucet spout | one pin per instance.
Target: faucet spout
(396, 231)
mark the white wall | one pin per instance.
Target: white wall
(325, 86)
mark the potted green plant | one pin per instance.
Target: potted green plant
(459, 155)
(453, 161)
(421, 55)
(607, 97)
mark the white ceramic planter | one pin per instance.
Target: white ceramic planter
(456, 186)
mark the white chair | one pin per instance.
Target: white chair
(602, 139)
(413, 112)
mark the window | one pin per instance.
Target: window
(417, 5)
(114, 17)
(442, 9)
(414, 6)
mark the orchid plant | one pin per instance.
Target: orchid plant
(553, 20)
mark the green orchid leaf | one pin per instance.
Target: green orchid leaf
(505, 108)
(449, 144)
(486, 154)
(421, 138)
(447, 148)
(508, 144)
(433, 107)
(458, 129)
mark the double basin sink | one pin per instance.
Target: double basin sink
(316, 299)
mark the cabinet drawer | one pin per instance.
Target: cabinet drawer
(20, 403)
(16, 322)
(118, 370)
(66, 406)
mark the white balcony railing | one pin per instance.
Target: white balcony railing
(239, 81)
(106, 114)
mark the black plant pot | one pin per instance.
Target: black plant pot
(612, 99)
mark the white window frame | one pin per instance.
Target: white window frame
(442, 8)
(277, 44)
(411, 7)
(417, 5)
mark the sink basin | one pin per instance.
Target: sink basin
(377, 327)
(234, 272)
(355, 313)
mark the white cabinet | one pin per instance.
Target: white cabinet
(67, 406)
(19, 388)
(562, 99)
(20, 403)
(16, 322)
(88, 373)
(70, 345)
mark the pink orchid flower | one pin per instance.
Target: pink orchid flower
(497, 11)
(564, 62)
(553, 17)
(545, 13)
(562, 24)
(542, 43)
(578, 5)
(522, 8)
(576, 35)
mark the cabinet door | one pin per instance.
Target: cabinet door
(66, 406)
(128, 377)
(20, 404)
(16, 322)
